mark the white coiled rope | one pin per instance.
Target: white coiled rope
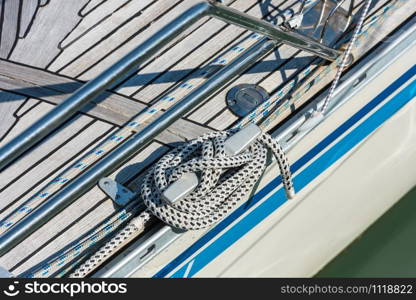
(224, 182)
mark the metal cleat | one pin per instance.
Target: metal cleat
(181, 188)
(234, 145)
(311, 122)
(241, 140)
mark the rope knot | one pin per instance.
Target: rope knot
(223, 180)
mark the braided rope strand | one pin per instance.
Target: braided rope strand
(75, 251)
(122, 135)
(344, 62)
(135, 227)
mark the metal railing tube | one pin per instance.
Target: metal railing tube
(90, 90)
(128, 149)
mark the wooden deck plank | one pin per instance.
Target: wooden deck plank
(52, 23)
(9, 105)
(254, 75)
(269, 83)
(99, 62)
(1, 16)
(28, 12)
(9, 27)
(287, 61)
(113, 108)
(91, 198)
(97, 51)
(91, 6)
(44, 2)
(94, 19)
(48, 156)
(54, 88)
(86, 34)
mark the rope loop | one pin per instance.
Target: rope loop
(223, 180)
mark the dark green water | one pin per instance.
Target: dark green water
(386, 249)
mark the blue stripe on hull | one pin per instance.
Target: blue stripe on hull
(301, 180)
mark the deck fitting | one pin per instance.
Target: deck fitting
(117, 192)
(244, 98)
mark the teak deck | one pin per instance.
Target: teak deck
(48, 48)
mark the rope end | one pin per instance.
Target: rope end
(290, 194)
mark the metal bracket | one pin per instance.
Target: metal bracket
(325, 22)
(117, 192)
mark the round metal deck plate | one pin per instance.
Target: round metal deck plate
(244, 98)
